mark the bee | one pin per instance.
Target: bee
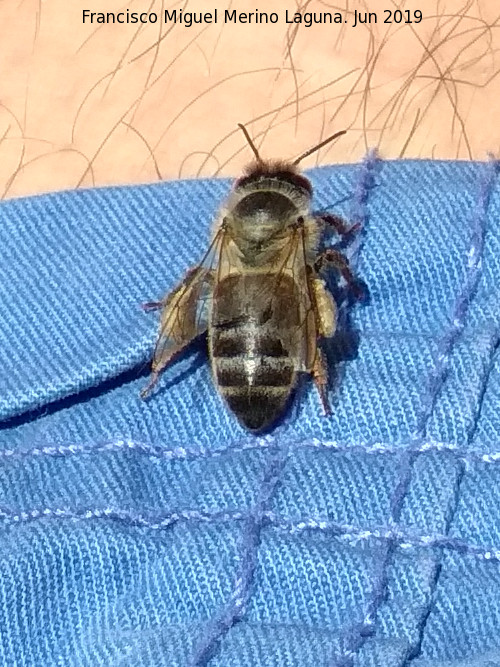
(259, 293)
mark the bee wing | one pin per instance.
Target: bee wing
(185, 309)
(286, 297)
(304, 336)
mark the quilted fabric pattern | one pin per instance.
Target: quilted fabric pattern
(161, 533)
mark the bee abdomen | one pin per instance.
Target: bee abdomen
(255, 376)
(256, 407)
(253, 371)
(235, 341)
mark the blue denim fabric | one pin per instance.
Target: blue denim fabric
(161, 533)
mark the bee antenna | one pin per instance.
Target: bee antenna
(318, 146)
(250, 142)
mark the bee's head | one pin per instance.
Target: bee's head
(285, 173)
(269, 197)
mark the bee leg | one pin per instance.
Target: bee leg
(152, 305)
(339, 224)
(320, 377)
(159, 366)
(150, 385)
(325, 307)
(335, 259)
(156, 305)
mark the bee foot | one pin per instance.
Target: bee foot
(324, 401)
(149, 387)
(151, 305)
(339, 225)
(320, 377)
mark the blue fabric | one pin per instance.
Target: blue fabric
(161, 533)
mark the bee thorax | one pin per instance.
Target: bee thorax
(261, 214)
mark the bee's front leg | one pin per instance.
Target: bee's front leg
(338, 224)
(331, 258)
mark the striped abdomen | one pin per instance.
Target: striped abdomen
(253, 358)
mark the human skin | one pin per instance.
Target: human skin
(92, 104)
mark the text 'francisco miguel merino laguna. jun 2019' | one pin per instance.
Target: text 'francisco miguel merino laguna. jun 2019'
(307, 19)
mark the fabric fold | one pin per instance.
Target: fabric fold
(159, 532)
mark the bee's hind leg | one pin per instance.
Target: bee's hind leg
(153, 380)
(159, 364)
(319, 372)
